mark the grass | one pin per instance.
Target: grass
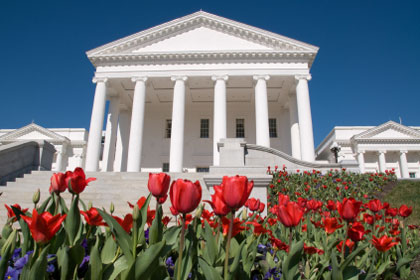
(406, 192)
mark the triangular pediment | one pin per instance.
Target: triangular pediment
(33, 132)
(389, 130)
(202, 32)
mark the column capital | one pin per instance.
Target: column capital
(307, 77)
(361, 151)
(381, 152)
(179, 78)
(403, 151)
(96, 80)
(139, 79)
(261, 77)
(220, 77)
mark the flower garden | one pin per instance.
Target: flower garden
(318, 226)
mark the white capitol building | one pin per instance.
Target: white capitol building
(204, 93)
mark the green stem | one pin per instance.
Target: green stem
(56, 204)
(218, 230)
(181, 249)
(343, 249)
(226, 273)
(135, 237)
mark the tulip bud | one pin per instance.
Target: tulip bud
(36, 197)
(136, 212)
(199, 211)
(112, 208)
(244, 214)
(90, 205)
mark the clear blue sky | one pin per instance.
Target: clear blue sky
(367, 70)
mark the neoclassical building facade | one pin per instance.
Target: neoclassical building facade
(376, 148)
(175, 90)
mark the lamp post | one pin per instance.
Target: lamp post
(335, 149)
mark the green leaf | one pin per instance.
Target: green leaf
(291, 264)
(72, 222)
(237, 253)
(113, 270)
(156, 230)
(26, 234)
(143, 212)
(39, 268)
(6, 252)
(336, 271)
(351, 273)
(44, 205)
(210, 273)
(95, 262)
(210, 250)
(109, 250)
(353, 255)
(121, 236)
(145, 259)
(171, 235)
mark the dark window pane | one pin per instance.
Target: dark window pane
(168, 128)
(204, 128)
(272, 125)
(240, 128)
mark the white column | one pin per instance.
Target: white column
(305, 118)
(111, 134)
(261, 111)
(219, 117)
(361, 161)
(123, 135)
(96, 125)
(382, 162)
(177, 129)
(404, 165)
(59, 159)
(294, 126)
(137, 124)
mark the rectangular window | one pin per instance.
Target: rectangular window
(202, 169)
(204, 128)
(168, 128)
(272, 125)
(240, 128)
(165, 167)
(412, 174)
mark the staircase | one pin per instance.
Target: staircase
(116, 187)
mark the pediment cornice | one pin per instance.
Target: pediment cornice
(284, 49)
(16, 134)
(369, 135)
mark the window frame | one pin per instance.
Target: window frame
(243, 127)
(203, 128)
(271, 127)
(168, 129)
(165, 166)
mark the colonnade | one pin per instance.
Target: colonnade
(301, 131)
(403, 165)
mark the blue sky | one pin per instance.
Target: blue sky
(366, 73)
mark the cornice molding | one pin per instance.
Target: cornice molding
(200, 19)
(198, 57)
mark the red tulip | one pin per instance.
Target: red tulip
(158, 185)
(356, 231)
(253, 204)
(313, 204)
(331, 205)
(93, 217)
(310, 250)
(279, 245)
(43, 226)
(349, 244)
(219, 206)
(375, 205)
(368, 219)
(290, 215)
(58, 183)
(349, 209)
(258, 228)
(185, 196)
(126, 223)
(405, 211)
(150, 213)
(283, 199)
(236, 191)
(10, 212)
(78, 180)
(237, 226)
(391, 212)
(330, 225)
(383, 243)
(262, 207)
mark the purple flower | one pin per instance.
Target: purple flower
(170, 266)
(16, 254)
(12, 273)
(83, 267)
(146, 235)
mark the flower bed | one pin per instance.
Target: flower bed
(319, 226)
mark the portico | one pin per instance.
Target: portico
(174, 91)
